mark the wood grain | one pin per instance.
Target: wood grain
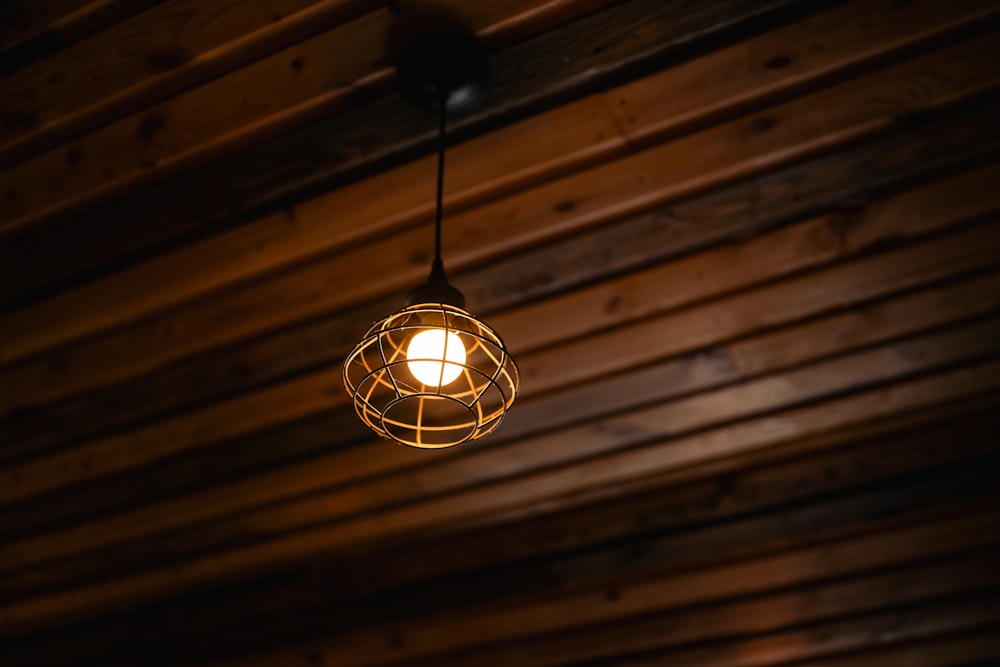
(746, 255)
(743, 436)
(751, 356)
(766, 613)
(783, 251)
(612, 190)
(593, 51)
(630, 598)
(606, 436)
(33, 30)
(706, 542)
(314, 78)
(817, 49)
(172, 47)
(936, 633)
(735, 212)
(682, 511)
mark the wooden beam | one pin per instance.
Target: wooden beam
(177, 45)
(183, 44)
(804, 296)
(947, 411)
(977, 646)
(934, 634)
(760, 482)
(513, 631)
(953, 576)
(697, 327)
(614, 469)
(784, 252)
(33, 30)
(614, 189)
(780, 252)
(302, 83)
(756, 615)
(749, 357)
(753, 356)
(818, 50)
(640, 295)
(501, 466)
(700, 531)
(599, 48)
(235, 111)
(187, 44)
(669, 233)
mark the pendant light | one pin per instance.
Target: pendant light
(432, 375)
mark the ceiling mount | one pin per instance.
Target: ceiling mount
(448, 67)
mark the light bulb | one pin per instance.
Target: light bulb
(432, 361)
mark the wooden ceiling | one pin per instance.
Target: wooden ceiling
(746, 254)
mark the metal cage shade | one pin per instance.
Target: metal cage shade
(390, 398)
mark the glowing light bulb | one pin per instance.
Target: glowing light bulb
(433, 362)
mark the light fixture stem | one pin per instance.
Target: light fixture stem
(442, 116)
(437, 289)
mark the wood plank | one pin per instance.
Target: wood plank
(818, 48)
(789, 295)
(499, 465)
(704, 446)
(785, 367)
(687, 505)
(348, 575)
(593, 51)
(321, 390)
(801, 297)
(269, 488)
(174, 46)
(753, 356)
(783, 252)
(185, 511)
(544, 143)
(948, 411)
(257, 248)
(744, 436)
(184, 44)
(22, 23)
(615, 189)
(943, 632)
(32, 30)
(701, 446)
(696, 327)
(681, 228)
(310, 80)
(757, 615)
(704, 552)
(859, 327)
(977, 647)
(881, 33)
(644, 630)
(706, 524)
(517, 622)
(701, 495)
(208, 258)
(748, 357)
(641, 295)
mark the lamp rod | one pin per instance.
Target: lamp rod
(439, 204)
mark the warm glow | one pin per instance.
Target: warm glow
(430, 345)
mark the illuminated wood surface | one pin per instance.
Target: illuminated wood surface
(746, 255)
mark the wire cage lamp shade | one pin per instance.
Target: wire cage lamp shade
(431, 376)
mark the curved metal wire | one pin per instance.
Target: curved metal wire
(394, 403)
